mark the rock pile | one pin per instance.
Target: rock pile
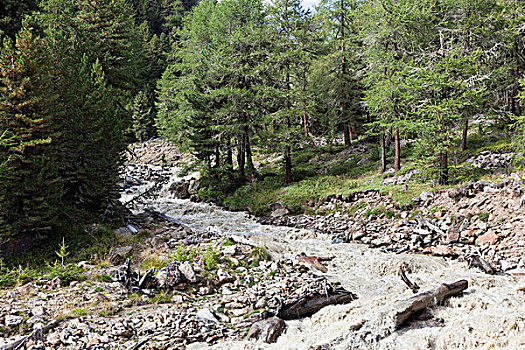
(181, 303)
(483, 220)
(489, 160)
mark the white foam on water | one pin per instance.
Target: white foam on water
(489, 315)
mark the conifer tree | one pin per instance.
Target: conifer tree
(29, 190)
(142, 118)
(288, 58)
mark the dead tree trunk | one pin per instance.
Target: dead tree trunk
(419, 302)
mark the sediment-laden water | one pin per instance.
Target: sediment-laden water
(489, 315)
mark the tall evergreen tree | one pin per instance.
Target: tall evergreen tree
(30, 190)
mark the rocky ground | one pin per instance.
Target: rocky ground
(482, 222)
(193, 285)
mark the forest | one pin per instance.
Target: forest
(270, 174)
(81, 79)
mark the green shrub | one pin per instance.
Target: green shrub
(210, 258)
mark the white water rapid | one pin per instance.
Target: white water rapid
(489, 315)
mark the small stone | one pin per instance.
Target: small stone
(239, 312)
(279, 212)
(229, 250)
(443, 250)
(149, 326)
(26, 289)
(53, 339)
(489, 238)
(12, 320)
(207, 316)
(187, 271)
(38, 311)
(93, 342)
(260, 303)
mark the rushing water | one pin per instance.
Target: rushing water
(489, 315)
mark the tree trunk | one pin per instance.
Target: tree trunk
(305, 114)
(288, 164)
(465, 131)
(346, 133)
(516, 104)
(217, 156)
(249, 161)
(229, 153)
(397, 156)
(383, 153)
(443, 168)
(287, 149)
(343, 77)
(388, 141)
(241, 156)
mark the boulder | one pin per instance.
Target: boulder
(267, 330)
(488, 238)
(279, 212)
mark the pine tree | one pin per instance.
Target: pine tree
(12, 13)
(288, 58)
(113, 38)
(29, 190)
(343, 90)
(142, 117)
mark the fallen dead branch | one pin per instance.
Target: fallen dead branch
(314, 261)
(35, 334)
(419, 302)
(161, 216)
(307, 305)
(144, 341)
(410, 284)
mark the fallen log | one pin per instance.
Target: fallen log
(419, 302)
(309, 304)
(366, 334)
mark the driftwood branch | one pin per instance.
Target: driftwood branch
(37, 333)
(419, 302)
(161, 216)
(314, 261)
(144, 341)
(152, 189)
(310, 304)
(410, 284)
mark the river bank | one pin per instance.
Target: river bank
(234, 285)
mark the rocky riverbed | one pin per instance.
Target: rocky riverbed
(233, 270)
